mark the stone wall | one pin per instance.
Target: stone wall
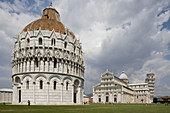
(5, 96)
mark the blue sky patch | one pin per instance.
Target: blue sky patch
(165, 9)
(124, 26)
(166, 25)
(109, 28)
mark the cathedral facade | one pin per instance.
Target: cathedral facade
(118, 90)
(47, 63)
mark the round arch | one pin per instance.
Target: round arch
(26, 76)
(52, 76)
(37, 76)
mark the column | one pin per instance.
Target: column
(23, 66)
(58, 66)
(48, 83)
(66, 66)
(61, 92)
(32, 65)
(41, 66)
(122, 97)
(70, 68)
(28, 66)
(46, 66)
(79, 95)
(73, 93)
(19, 67)
(55, 70)
(51, 66)
(78, 70)
(34, 92)
(15, 68)
(73, 68)
(25, 62)
(63, 66)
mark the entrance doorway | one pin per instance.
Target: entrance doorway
(107, 98)
(99, 99)
(115, 100)
(76, 85)
(19, 96)
(75, 97)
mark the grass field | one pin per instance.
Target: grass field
(93, 108)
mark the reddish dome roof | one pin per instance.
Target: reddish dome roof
(50, 20)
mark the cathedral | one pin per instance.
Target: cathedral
(47, 63)
(118, 90)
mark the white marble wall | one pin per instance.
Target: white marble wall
(5, 96)
(47, 95)
(125, 93)
(69, 67)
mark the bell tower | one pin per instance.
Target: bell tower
(150, 79)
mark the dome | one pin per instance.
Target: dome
(123, 75)
(50, 20)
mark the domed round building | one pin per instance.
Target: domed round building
(47, 63)
(124, 77)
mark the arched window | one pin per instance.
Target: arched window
(40, 41)
(19, 44)
(25, 66)
(55, 62)
(79, 51)
(22, 66)
(55, 83)
(99, 98)
(115, 98)
(41, 84)
(53, 42)
(29, 65)
(65, 44)
(74, 48)
(28, 42)
(17, 80)
(27, 84)
(67, 85)
(36, 62)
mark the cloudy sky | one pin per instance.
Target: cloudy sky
(129, 35)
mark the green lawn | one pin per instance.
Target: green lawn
(93, 108)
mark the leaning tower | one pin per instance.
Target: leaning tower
(47, 63)
(150, 79)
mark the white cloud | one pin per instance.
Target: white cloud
(136, 48)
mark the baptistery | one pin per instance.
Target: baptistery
(47, 63)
